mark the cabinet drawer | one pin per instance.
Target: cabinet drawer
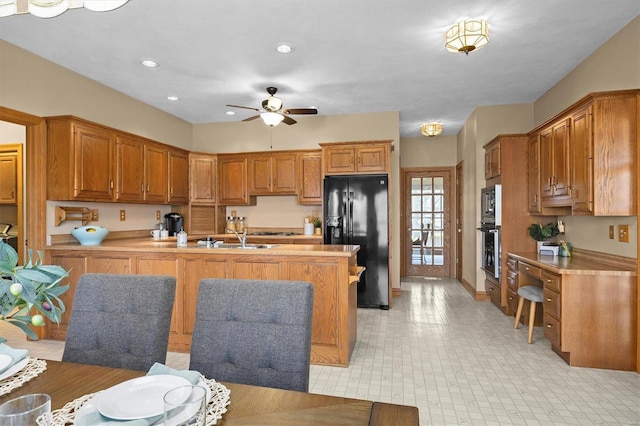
(551, 303)
(552, 330)
(493, 291)
(551, 280)
(530, 269)
(512, 280)
(512, 300)
(512, 264)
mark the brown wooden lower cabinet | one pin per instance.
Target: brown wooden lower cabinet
(589, 306)
(335, 298)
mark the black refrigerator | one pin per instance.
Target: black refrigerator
(356, 212)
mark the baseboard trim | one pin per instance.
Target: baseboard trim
(480, 296)
(396, 292)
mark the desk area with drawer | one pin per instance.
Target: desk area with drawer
(589, 311)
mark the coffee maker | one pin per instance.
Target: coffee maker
(173, 222)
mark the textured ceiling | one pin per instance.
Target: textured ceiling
(354, 56)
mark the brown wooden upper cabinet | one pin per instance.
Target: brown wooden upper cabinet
(272, 173)
(80, 160)
(8, 178)
(233, 189)
(492, 160)
(202, 173)
(310, 177)
(587, 157)
(356, 157)
(141, 171)
(90, 162)
(178, 185)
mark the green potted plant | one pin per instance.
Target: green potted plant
(31, 288)
(542, 233)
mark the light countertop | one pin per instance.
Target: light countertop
(577, 264)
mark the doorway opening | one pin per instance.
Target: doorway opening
(427, 244)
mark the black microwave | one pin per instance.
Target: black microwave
(491, 205)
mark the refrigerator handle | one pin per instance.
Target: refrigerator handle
(345, 224)
(350, 216)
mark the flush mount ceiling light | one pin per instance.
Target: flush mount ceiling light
(466, 36)
(271, 118)
(146, 62)
(431, 129)
(172, 98)
(52, 8)
(284, 48)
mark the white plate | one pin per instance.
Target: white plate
(5, 360)
(137, 398)
(90, 406)
(14, 368)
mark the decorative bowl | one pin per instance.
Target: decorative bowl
(90, 235)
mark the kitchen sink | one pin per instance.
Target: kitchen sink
(246, 247)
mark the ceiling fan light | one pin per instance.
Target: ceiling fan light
(431, 129)
(274, 104)
(271, 118)
(48, 8)
(103, 5)
(466, 36)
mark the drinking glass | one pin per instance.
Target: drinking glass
(186, 405)
(33, 409)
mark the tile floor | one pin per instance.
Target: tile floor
(460, 362)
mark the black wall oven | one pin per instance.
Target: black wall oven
(490, 221)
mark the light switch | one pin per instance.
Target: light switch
(623, 233)
(123, 215)
(612, 232)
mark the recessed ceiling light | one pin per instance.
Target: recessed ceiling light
(172, 98)
(149, 63)
(284, 48)
(230, 113)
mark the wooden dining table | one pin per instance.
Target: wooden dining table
(250, 405)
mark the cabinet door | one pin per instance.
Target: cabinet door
(155, 174)
(310, 178)
(283, 171)
(545, 143)
(178, 178)
(371, 159)
(130, 169)
(582, 162)
(232, 181)
(202, 172)
(93, 163)
(533, 174)
(561, 158)
(492, 161)
(260, 174)
(339, 160)
(8, 179)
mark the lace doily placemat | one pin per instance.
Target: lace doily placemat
(220, 399)
(33, 368)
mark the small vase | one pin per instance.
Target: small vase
(539, 244)
(317, 231)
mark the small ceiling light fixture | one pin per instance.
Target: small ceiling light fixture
(172, 98)
(230, 113)
(148, 63)
(468, 35)
(431, 129)
(284, 48)
(53, 8)
(271, 118)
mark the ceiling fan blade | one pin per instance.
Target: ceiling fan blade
(300, 111)
(288, 120)
(251, 118)
(243, 107)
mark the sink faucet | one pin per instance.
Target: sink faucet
(241, 237)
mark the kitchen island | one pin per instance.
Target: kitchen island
(332, 270)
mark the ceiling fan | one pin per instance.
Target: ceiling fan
(272, 113)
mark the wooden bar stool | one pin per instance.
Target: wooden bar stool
(534, 295)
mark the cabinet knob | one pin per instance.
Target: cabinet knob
(549, 299)
(526, 269)
(548, 280)
(549, 325)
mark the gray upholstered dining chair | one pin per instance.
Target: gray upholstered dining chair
(120, 321)
(254, 332)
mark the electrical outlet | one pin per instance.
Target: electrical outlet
(623, 233)
(94, 215)
(123, 216)
(157, 214)
(612, 232)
